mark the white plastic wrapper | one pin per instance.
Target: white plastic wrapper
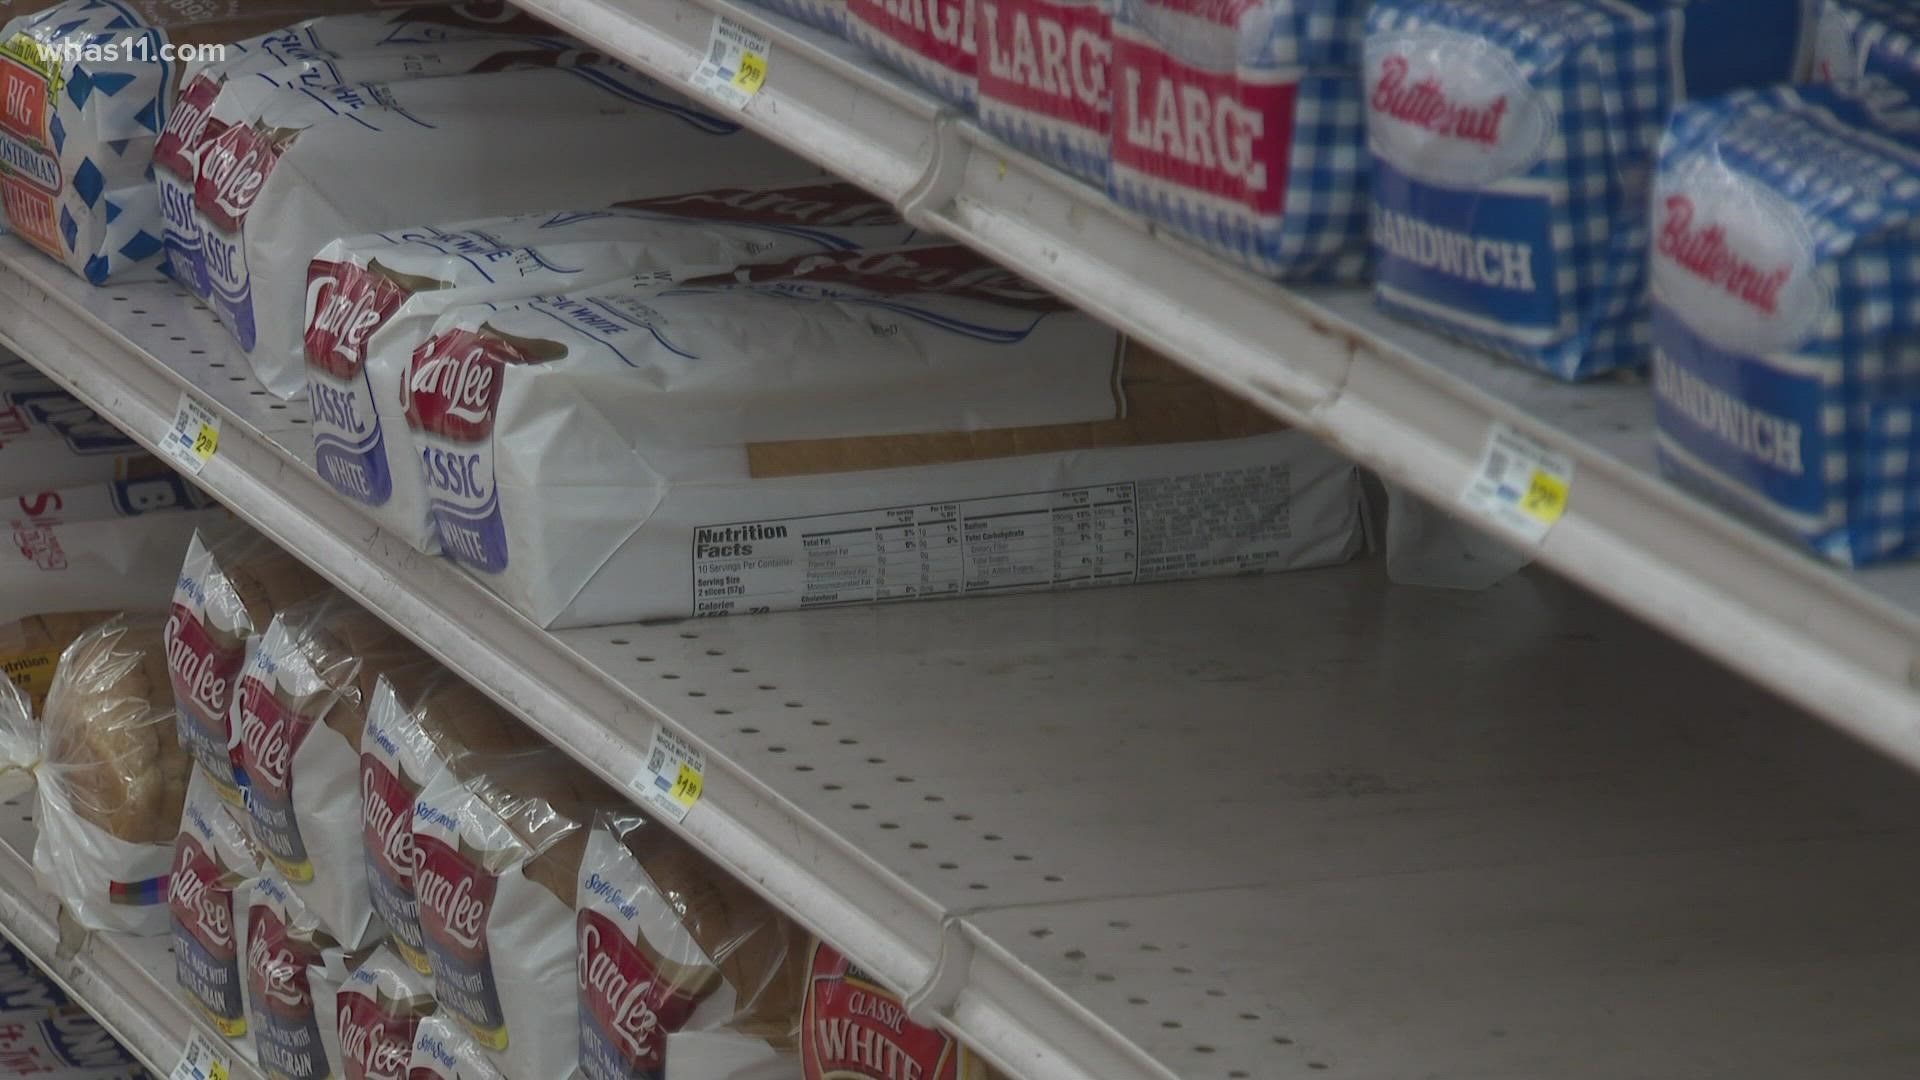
(77, 136)
(294, 970)
(49, 439)
(377, 1013)
(371, 47)
(371, 300)
(321, 165)
(302, 709)
(723, 1055)
(109, 500)
(214, 867)
(120, 562)
(442, 1050)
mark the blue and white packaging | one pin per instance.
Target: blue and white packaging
(1868, 37)
(828, 15)
(1786, 307)
(1512, 145)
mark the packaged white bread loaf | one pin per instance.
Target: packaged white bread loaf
(214, 867)
(88, 89)
(112, 779)
(377, 1013)
(442, 1050)
(369, 47)
(316, 166)
(231, 583)
(105, 545)
(498, 858)
(302, 707)
(889, 426)
(294, 970)
(853, 1028)
(371, 300)
(421, 721)
(670, 942)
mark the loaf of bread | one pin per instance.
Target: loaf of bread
(30, 649)
(214, 867)
(855, 1029)
(377, 1012)
(108, 732)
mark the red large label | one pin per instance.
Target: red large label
(202, 670)
(233, 170)
(851, 1028)
(186, 126)
(24, 112)
(376, 1042)
(1216, 134)
(270, 732)
(455, 898)
(30, 210)
(277, 965)
(939, 30)
(346, 305)
(1048, 58)
(629, 1009)
(453, 383)
(811, 204)
(386, 818)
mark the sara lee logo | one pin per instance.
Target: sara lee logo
(455, 896)
(233, 170)
(623, 993)
(376, 1035)
(453, 384)
(202, 671)
(1703, 252)
(185, 126)
(345, 305)
(386, 817)
(276, 970)
(1452, 109)
(267, 734)
(1425, 104)
(198, 901)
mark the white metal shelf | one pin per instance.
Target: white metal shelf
(126, 983)
(1213, 830)
(1414, 407)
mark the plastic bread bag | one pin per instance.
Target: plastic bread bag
(30, 649)
(420, 722)
(371, 300)
(112, 779)
(377, 1014)
(442, 1050)
(723, 1055)
(852, 1028)
(667, 941)
(108, 545)
(107, 500)
(358, 158)
(228, 588)
(89, 85)
(214, 866)
(385, 46)
(33, 406)
(498, 859)
(302, 709)
(294, 971)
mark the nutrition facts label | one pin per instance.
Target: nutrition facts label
(1051, 539)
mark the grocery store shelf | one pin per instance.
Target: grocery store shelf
(1416, 408)
(127, 983)
(1281, 827)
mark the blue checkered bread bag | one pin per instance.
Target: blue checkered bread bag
(1512, 141)
(1786, 311)
(1868, 37)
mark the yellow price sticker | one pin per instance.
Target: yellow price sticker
(205, 442)
(686, 787)
(195, 437)
(1546, 498)
(675, 775)
(218, 1071)
(752, 73)
(1521, 484)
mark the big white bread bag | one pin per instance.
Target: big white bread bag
(667, 941)
(853, 1028)
(371, 300)
(88, 87)
(230, 584)
(499, 856)
(294, 970)
(377, 1013)
(316, 166)
(214, 867)
(394, 46)
(890, 426)
(442, 1050)
(421, 721)
(89, 561)
(302, 707)
(111, 777)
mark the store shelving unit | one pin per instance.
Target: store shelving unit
(1294, 826)
(1416, 408)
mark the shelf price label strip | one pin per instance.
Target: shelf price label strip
(202, 1061)
(1520, 485)
(674, 777)
(195, 436)
(736, 64)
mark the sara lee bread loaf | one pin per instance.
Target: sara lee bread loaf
(442, 1050)
(377, 1013)
(498, 857)
(231, 583)
(78, 184)
(371, 300)
(294, 970)
(112, 778)
(214, 864)
(30, 650)
(668, 941)
(852, 1028)
(420, 722)
(302, 707)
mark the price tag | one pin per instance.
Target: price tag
(195, 436)
(203, 1061)
(736, 65)
(1520, 484)
(676, 774)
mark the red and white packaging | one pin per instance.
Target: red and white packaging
(371, 300)
(214, 865)
(442, 1050)
(855, 1029)
(1045, 81)
(930, 41)
(302, 710)
(377, 1013)
(294, 971)
(352, 159)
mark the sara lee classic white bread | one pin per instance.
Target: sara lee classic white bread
(314, 167)
(421, 721)
(302, 707)
(866, 427)
(112, 778)
(294, 970)
(80, 129)
(377, 1012)
(371, 300)
(667, 941)
(231, 583)
(214, 866)
(498, 863)
(385, 46)
(853, 1028)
